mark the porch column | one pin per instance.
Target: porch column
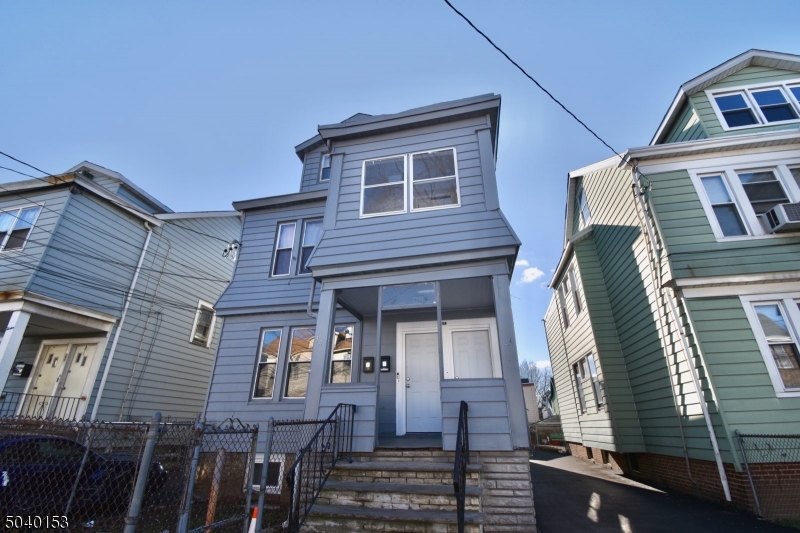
(319, 354)
(509, 362)
(9, 346)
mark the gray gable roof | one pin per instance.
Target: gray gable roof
(92, 167)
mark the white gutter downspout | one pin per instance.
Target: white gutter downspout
(685, 344)
(121, 323)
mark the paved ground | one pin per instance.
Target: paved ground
(571, 495)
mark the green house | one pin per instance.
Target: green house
(674, 321)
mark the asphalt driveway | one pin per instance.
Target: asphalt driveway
(572, 495)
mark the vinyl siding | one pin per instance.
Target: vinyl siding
(156, 367)
(647, 335)
(738, 369)
(693, 249)
(428, 233)
(559, 361)
(311, 171)
(746, 76)
(18, 267)
(253, 287)
(131, 197)
(363, 397)
(687, 127)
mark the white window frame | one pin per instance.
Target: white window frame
(792, 317)
(364, 187)
(275, 249)
(474, 324)
(323, 167)
(410, 180)
(288, 362)
(299, 265)
(200, 305)
(258, 362)
(269, 489)
(19, 211)
(730, 176)
(582, 222)
(573, 284)
(747, 92)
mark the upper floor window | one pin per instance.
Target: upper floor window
(562, 300)
(325, 168)
(757, 105)
(312, 233)
(385, 188)
(582, 208)
(203, 327)
(282, 262)
(776, 323)
(16, 226)
(736, 199)
(576, 297)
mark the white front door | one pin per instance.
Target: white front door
(44, 381)
(423, 402)
(80, 363)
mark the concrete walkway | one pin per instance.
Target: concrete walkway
(572, 495)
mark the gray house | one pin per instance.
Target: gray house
(106, 298)
(383, 283)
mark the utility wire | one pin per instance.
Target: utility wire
(548, 93)
(18, 172)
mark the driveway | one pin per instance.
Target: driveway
(572, 495)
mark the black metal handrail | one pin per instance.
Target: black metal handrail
(461, 462)
(38, 406)
(316, 460)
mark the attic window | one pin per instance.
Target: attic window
(325, 168)
(758, 105)
(582, 208)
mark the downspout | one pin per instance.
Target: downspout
(121, 322)
(309, 312)
(684, 341)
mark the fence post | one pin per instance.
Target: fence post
(215, 482)
(249, 482)
(264, 469)
(144, 471)
(740, 439)
(183, 524)
(87, 444)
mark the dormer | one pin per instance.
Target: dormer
(755, 92)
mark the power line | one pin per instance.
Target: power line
(548, 93)
(18, 172)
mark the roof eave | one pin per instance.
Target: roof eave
(284, 200)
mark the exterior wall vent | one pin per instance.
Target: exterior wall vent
(784, 217)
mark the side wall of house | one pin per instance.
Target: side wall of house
(311, 171)
(687, 127)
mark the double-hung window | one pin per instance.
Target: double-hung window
(286, 259)
(282, 262)
(562, 300)
(386, 188)
(299, 362)
(762, 104)
(325, 168)
(15, 227)
(342, 354)
(577, 374)
(776, 323)
(267, 362)
(573, 282)
(203, 327)
(582, 208)
(312, 233)
(736, 199)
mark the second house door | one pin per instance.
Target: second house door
(423, 402)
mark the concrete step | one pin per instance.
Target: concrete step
(342, 519)
(435, 455)
(403, 472)
(396, 496)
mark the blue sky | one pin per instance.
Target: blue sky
(201, 103)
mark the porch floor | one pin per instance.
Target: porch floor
(411, 440)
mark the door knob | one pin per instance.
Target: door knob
(408, 385)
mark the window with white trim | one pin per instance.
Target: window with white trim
(325, 168)
(16, 226)
(299, 362)
(284, 243)
(737, 198)
(203, 327)
(385, 188)
(776, 323)
(274, 473)
(757, 105)
(577, 374)
(562, 300)
(267, 362)
(582, 208)
(342, 354)
(312, 233)
(573, 284)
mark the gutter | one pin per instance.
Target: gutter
(118, 333)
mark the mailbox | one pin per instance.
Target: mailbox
(22, 370)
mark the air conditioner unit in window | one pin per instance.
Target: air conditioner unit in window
(784, 217)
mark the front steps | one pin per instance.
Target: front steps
(412, 490)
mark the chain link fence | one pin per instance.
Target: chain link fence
(548, 434)
(772, 463)
(111, 476)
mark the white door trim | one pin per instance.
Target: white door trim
(92, 374)
(472, 324)
(400, 377)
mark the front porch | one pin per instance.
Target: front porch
(50, 355)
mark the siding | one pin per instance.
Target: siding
(466, 228)
(746, 76)
(311, 171)
(17, 268)
(156, 367)
(130, 197)
(740, 374)
(647, 337)
(687, 127)
(252, 287)
(363, 397)
(692, 246)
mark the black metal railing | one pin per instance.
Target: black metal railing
(315, 461)
(38, 406)
(461, 462)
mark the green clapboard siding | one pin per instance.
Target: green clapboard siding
(747, 76)
(737, 367)
(687, 127)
